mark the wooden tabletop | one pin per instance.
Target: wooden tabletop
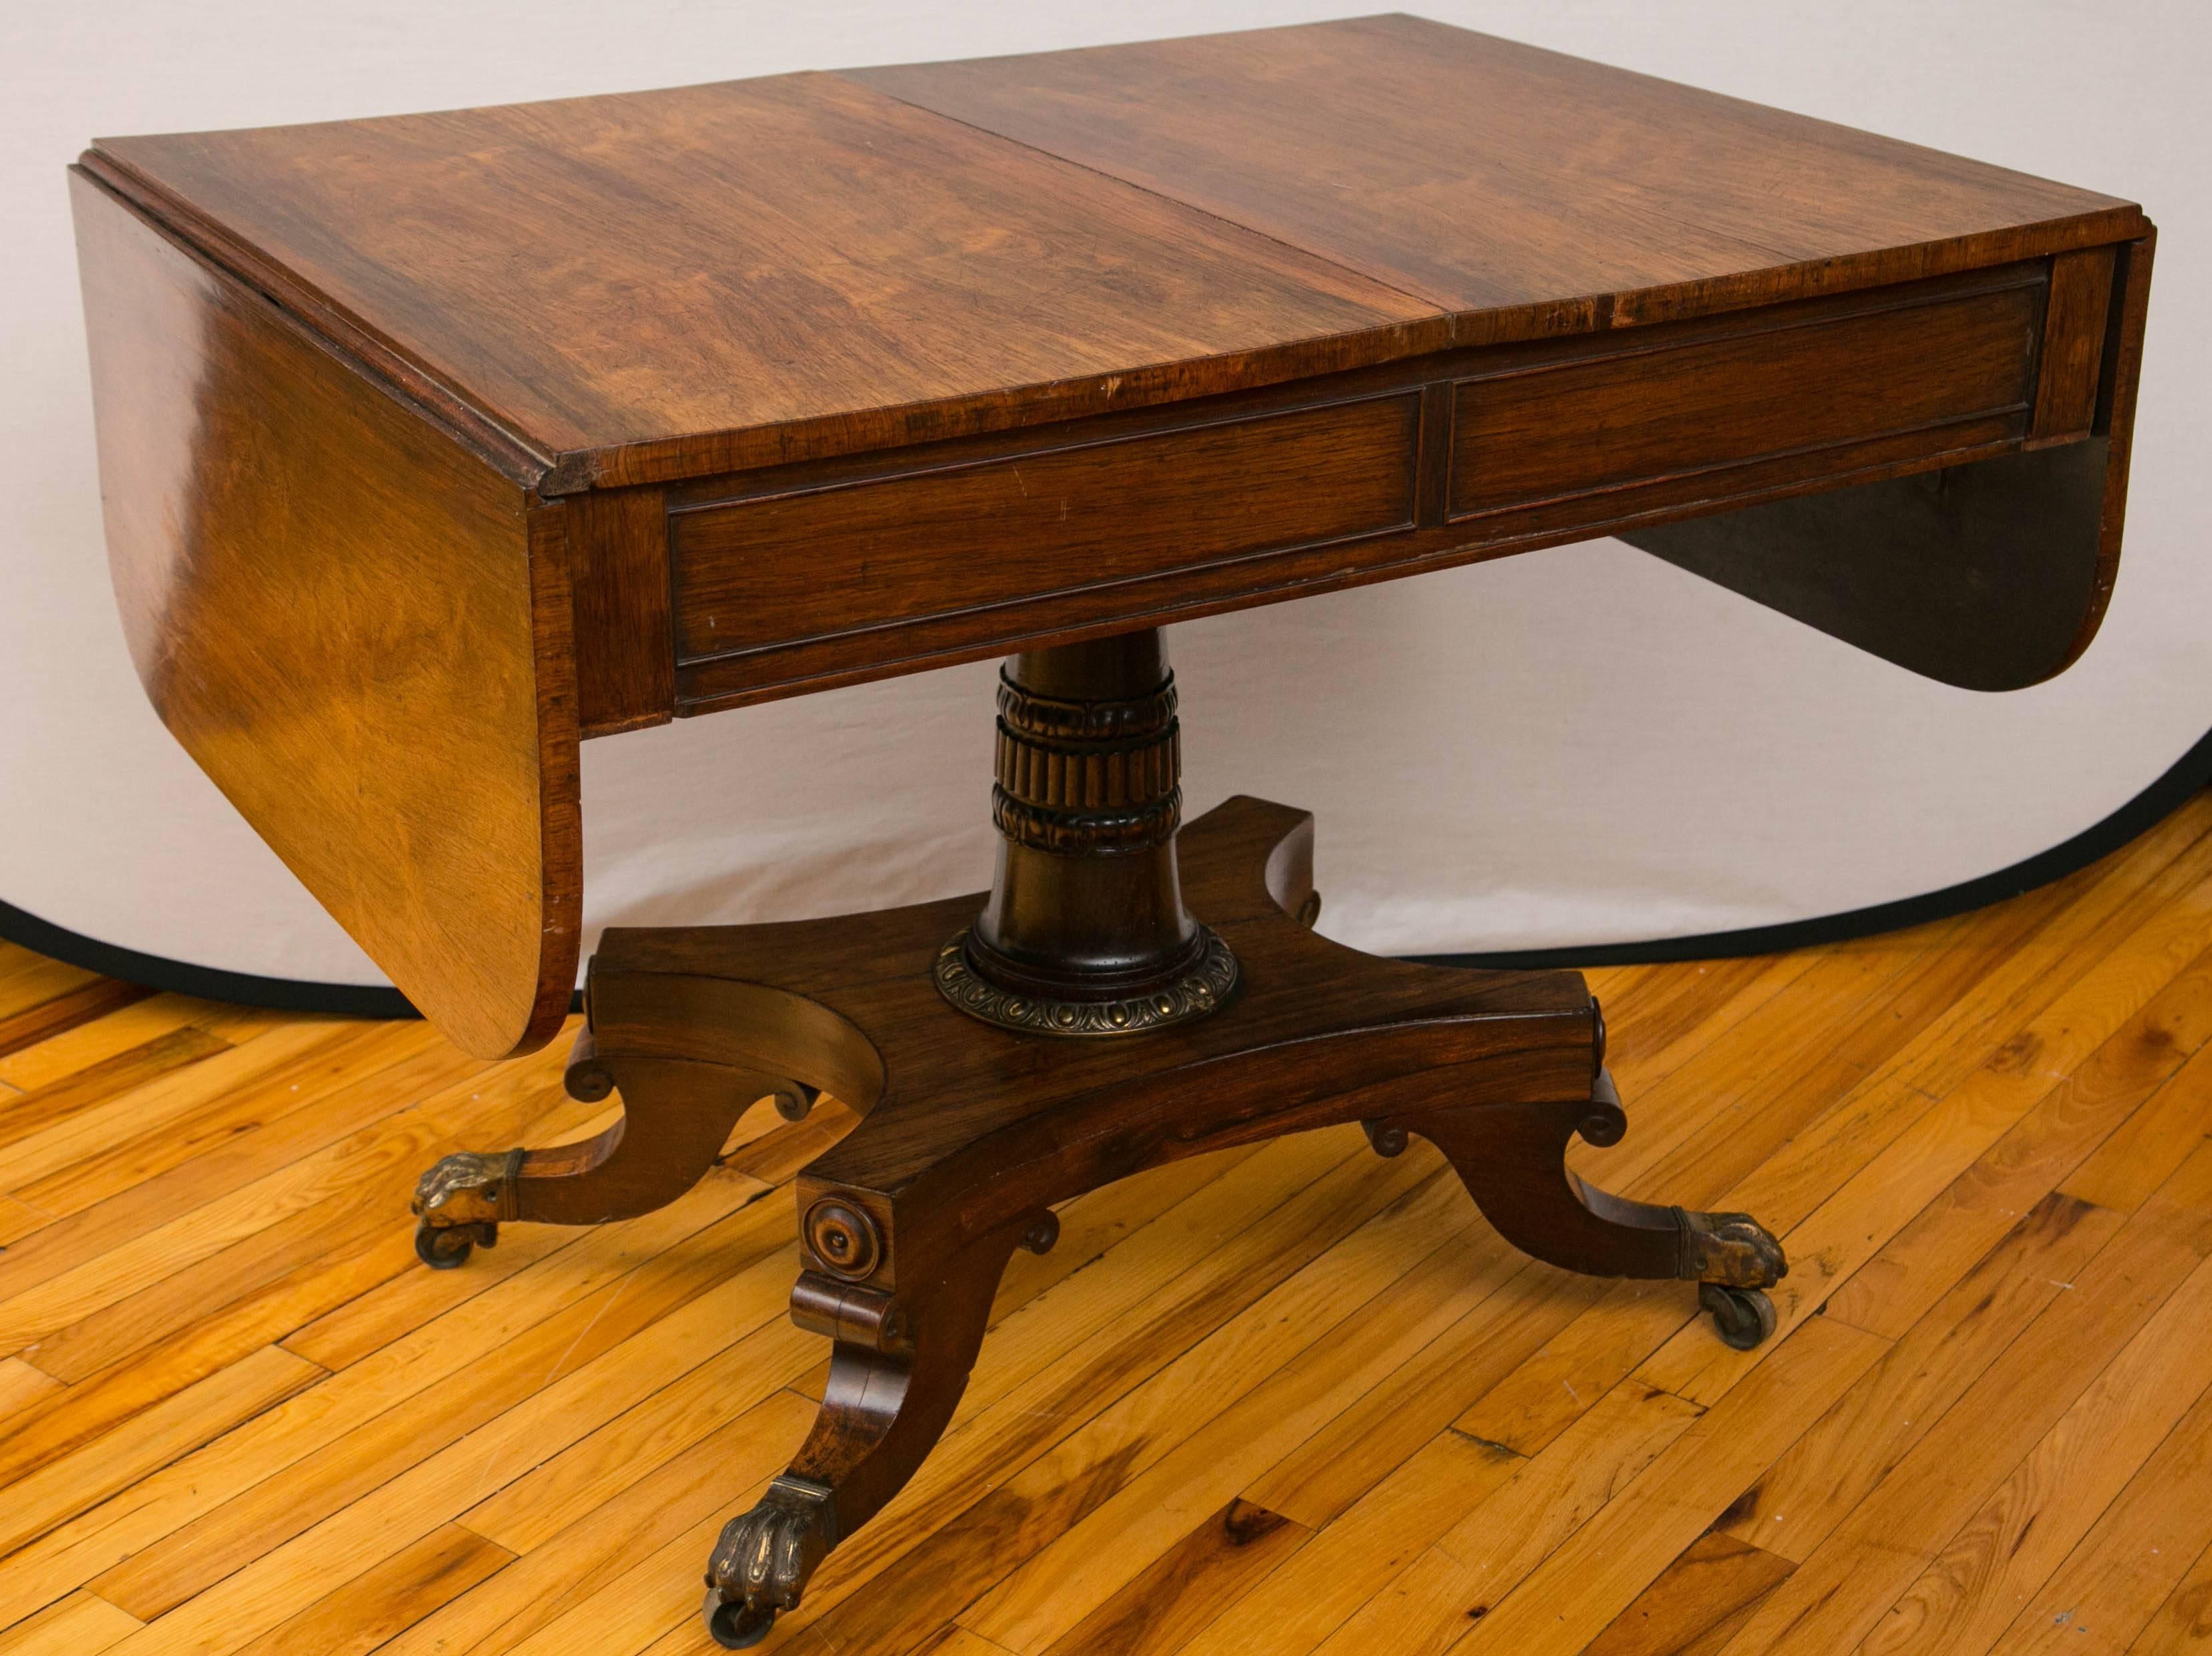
(434, 443)
(651, 286)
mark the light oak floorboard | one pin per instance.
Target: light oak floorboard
(1282, 1400)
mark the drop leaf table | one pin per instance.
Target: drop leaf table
(432, 445)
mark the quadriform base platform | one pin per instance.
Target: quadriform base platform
(431, 445)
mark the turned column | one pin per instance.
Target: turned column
(1085, 932)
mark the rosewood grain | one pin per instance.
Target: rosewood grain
(862, 556)
(2073, 345)
(358, 628)
(1525, 193)
(1921, 364)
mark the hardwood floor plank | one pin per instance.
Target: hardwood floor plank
(466, 1337)
(1380, 1430)
(358, 1616)
(150, 1441)
(385, 1151)
(2006, 1173)
(1972, 1588)
(1302, 1601)
(1039, 1603)
(81, 1624)
(2091, 1099)
(100, 1402)
(1184, 1588)
(1475, 1562)
(2144, 1151)
(55, 1014)
(1847, 1582)
(35, 1109)
(239, 1172)
(526, 1512)
(1550, 1389)
(125, 1161)
(2183, 1624)
(675, 1499)
(477, 1415)
(352, 1222)
(1697, 1602)
(272, 1060)
(1798, 1500)
(22, 1386)
(1103, 1219)
(19, 1219)
(29, 980)
(64, 1058)
(2112, 1585)
(1598, 1571)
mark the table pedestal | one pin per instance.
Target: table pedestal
(1126, 994)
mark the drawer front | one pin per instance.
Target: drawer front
(785, 567)
(1614, 422)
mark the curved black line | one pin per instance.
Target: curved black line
(2188, 773)
(349, 1000)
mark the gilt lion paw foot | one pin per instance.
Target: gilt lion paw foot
(460, 1201)
(764, 1559)
(1732, 1250)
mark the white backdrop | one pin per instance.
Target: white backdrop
(1578, 746)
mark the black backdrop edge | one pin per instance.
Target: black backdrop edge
(2191, 771)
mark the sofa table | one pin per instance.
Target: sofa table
(431, 445)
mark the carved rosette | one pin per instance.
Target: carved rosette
(1085, 778)
(1209, 982)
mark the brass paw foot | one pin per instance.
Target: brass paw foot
(1731, 1249)
(460, 1201)
(1734, 1258)
(763, 1560)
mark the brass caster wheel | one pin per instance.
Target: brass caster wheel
(734, 1624)
(1743, 1316)
(448, 1247)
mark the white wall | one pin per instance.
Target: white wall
(1580, 745)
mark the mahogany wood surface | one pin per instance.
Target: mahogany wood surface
(1524, 192)
(970, 1133)
(357, 627)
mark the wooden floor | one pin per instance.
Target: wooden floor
(1285, 1400)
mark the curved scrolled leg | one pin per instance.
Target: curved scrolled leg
(677, 1114)
(900, 1364)
(1512, 1158)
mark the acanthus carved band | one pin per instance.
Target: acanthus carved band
(1209, 982)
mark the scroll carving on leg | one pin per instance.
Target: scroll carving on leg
(896, 1372)
(1512, 1159)
(676, 1114)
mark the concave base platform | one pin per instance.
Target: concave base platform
(969, 1134)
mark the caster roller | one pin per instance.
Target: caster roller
(1743, 1316)
(448, 1247)
(734, 1624)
